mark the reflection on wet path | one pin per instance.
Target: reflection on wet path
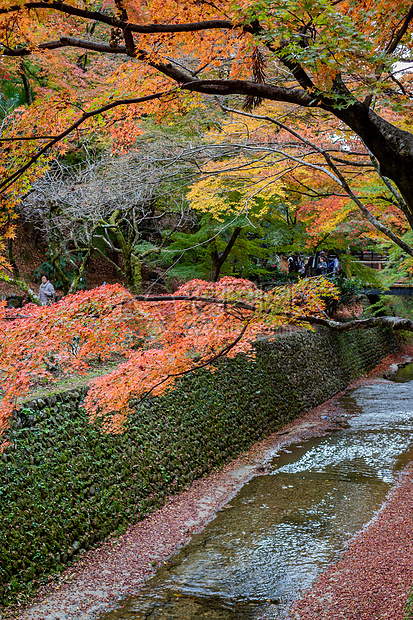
(284, 528)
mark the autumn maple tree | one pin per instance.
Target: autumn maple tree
(322, 174)
(327, 70)
(338, 57)
(323, 69)
(161, 338)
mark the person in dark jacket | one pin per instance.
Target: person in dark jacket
(322, 266)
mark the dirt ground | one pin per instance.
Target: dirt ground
(118, 568)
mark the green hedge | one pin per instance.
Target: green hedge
(65, 486)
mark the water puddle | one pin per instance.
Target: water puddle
(276, 536)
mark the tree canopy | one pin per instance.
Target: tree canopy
(278, 51)
(101, 68)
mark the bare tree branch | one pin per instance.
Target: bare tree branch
(396, 323)
(332, 171)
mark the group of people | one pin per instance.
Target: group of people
(323, 266)
(317, 265)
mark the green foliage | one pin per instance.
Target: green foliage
(351, 289)
(400, 265)
(364, 275)
(12, 96)
(145, 247)
(392, 305)
(49, 270)
(270, 227)
(284, 231)
(191, 251)
(272, 276)
(408, 608)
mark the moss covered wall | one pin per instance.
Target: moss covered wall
(65, 486)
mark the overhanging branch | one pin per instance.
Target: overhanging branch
(395, 322)
(118, 23)
(192, 298)
(4, 185)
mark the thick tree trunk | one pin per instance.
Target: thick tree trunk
(215, 266)
(80, 272)
(55, 256)
(114, 257)
(392, 147)
(131, 263)
(26, 83)
(219, 258)
(137, 274)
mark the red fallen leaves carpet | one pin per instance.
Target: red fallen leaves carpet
(375, 574)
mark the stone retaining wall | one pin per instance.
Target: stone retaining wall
(65, 486)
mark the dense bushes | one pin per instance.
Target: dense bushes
(64, 485)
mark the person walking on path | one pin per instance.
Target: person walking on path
(46, 292)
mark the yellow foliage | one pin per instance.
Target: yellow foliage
(235, 186)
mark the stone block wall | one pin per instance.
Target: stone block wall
(65, 486)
